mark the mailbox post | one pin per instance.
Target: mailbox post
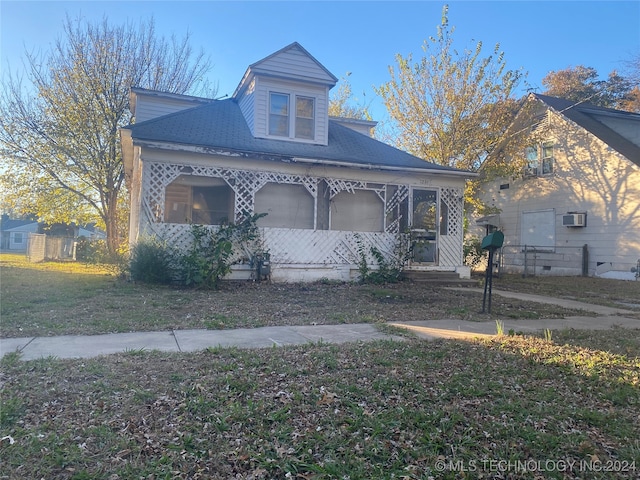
(491, 243)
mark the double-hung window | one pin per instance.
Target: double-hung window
(539, 159)
(279, 114)
(305, 124)
(547, 158)
(531, 155)
(282, 122)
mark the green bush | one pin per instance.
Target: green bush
(472, 251)
(212, 251)
(389, 269)
(95, 252)
(153, 261)
(92, 251)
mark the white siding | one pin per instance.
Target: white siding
(148, 106)
(266, 85)
(294, 63)
(247, 105)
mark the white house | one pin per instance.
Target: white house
(327, 187)
(576, 207)
(15, 234)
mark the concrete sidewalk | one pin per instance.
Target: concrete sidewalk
(78, 346)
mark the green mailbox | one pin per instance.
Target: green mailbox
(493, 241)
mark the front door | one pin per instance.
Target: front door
(424, 226)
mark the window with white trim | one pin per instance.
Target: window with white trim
(357, 211)
(279, 114)
(305, 118)
(546, 151)
(531, 156)
(301, 125)
(539, 159)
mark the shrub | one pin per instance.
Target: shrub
(91, 251)
(153, 261)
(213, 249)
(389, 268)
(96, 252)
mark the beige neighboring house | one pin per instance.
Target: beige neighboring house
(576, 207)
(330, 190)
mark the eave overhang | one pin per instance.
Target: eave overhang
(204, 150)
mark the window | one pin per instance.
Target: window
(539, 159)
(279, 115)
(305, 124)
(424, 211)
(281, 123)
(547, 158)
(531, 155)
(199, 200)
(18, 237)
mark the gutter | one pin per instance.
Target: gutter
(335, 163)
(370, 166)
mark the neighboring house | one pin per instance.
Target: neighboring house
(15, 234)
(576, 207)
(329, 190)
(90, 232)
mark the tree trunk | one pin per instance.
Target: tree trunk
(111, 224)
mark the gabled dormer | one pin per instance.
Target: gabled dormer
(285, 96)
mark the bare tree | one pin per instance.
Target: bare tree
(59, 130)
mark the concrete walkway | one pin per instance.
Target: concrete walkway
(78, 346)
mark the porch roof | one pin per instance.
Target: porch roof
(220, 126)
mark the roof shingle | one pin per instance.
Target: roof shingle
(220, 125)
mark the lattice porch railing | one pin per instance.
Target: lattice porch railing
(290, 245)
(297, 246)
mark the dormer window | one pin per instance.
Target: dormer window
(305, 117)
(279, 114)
(281, 123)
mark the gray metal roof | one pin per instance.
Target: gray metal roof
(593, 119)
(220, 126)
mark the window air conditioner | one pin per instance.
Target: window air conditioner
(574, 220)
(530, 171)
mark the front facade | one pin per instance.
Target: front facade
(329, 190)
(576, 207)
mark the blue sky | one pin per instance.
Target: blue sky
(361, 37)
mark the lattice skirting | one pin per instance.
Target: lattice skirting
(293, 246)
